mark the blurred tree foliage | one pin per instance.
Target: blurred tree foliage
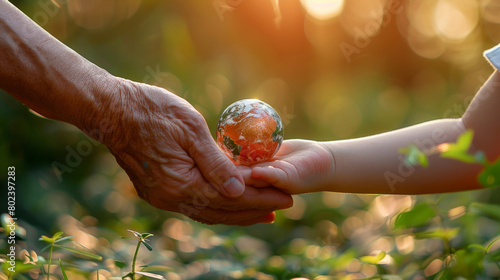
(346, 69)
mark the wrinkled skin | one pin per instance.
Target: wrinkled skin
(165, 147)
(158, 138)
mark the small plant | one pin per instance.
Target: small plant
(55, 242)
(375, 260)
(426, 221)
(490, 175)
(459, 260)
(141, 239)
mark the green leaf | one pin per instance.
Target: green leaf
(391, 277)
(147, 246)
(476, 247)
(80, 252)
(441, 233)
(468, 264)
(138, 235)
(7, 220)
(373, 259)
(52, 239)
(62, 270)
(465, 140)
(151, 275)
(418, 216)
(146, 235)
(120, 264)
(444, 274)
(20, 269)
(46, 239)
(459, 150)
(57, 235)
(490, 176)
(460, 156)
(495, 258)
(414, 156)
(141, 236)
(30, 258)
(491, 210)
(374, 277)
(46, 247)
(63, 239)
(422, 159)
(157, 268)
(488, 247)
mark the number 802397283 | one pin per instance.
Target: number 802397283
(11, 190)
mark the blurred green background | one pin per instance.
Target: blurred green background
(332, 69)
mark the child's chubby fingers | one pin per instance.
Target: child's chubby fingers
(269, 175)
(249, 180)
(280, 174)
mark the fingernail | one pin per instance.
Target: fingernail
(269, 218)
(233, 187)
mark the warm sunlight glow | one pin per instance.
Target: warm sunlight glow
(456, 19)
(323, 9)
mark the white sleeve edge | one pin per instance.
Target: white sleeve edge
(493, 55)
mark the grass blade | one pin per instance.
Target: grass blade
(491, 244)
(80, 252)
(62, 270)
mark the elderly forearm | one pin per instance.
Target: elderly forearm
(46, 75)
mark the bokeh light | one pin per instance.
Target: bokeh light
(363, 18)
(333, 69)
(97, 14)
(323, 9)
(455, 20)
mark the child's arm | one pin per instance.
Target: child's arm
(370, 164)
(374, 165)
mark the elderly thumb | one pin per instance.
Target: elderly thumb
(219, 170)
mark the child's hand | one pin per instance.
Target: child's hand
(300, 166)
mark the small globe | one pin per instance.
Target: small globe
(249, 131)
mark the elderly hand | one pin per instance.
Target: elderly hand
(165, 147)
(160, 140)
